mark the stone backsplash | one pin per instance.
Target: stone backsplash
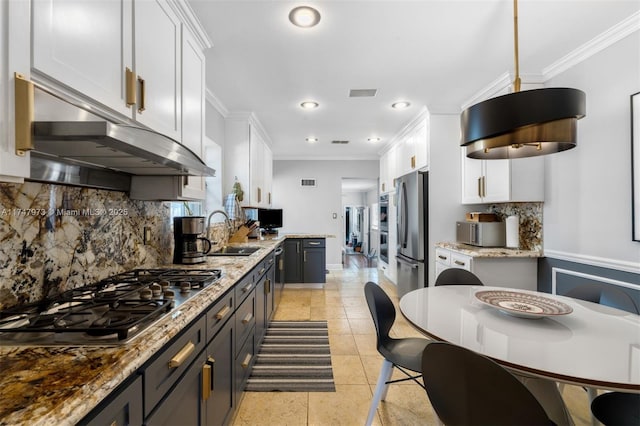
(530, 219)
(59, 237)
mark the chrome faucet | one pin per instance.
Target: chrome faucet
(226, 220)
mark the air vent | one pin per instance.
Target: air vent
(340, 142)
(307, 182)
(362, 93)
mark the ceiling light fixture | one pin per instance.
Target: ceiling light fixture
(374, 139)
(401, 105)
(522, 124)
(312, 140)
(304, 16)
(309, 105)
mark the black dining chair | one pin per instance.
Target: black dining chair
(457, 276)
(405, 354)
(617, 408)
(466, 388)
(604, 295)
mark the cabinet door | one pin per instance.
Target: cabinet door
(314, 260)
(157, 53)
(261, 309)
(256, 172)
(293, 261)
(183, 406)
(421, 145)
(471, 179)
(219, 400)
(268, 175)
(497, 175)
(124, 407)
(271, 293)
(85, 45)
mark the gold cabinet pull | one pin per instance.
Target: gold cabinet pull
(206, 381)
(413, 162)
(304, 256)
(130, 87)
(314, 243)
(259, 195)
(247, 318)
(223, 312)
(480, 186)
(23, 99)
(141, 106)
(261, 271)
(247, 288)
(182, 355)
(246, 361)
(267, 286)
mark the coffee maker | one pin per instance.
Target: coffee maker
(186, 231)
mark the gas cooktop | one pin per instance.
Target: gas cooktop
(110, 312)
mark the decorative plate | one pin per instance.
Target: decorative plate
(523, 305)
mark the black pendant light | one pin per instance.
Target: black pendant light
(522, 124)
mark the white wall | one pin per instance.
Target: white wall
(444, 183)
(310, 210)
(587, 209)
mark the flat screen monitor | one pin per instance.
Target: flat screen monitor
(270, 218)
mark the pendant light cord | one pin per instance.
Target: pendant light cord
(516, 81)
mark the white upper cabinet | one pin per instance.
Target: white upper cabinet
(88, 47)
(408, 153)
(85, 45)
(500, 181)
(14, 57)
(158, 59)
(248, 161)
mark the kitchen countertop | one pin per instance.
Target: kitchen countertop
(60, 385)
(493, 252)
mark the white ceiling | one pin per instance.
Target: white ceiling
(434, 53)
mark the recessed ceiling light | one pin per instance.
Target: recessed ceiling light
(401, 105)
(304, 17)
(312, 140)
(374, 139)
(309, 105)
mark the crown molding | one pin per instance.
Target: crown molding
(597, 44)
(423, 114)
(216, 103)
(343, 158)
(191, 21)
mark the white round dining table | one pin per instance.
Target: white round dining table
(594, 345)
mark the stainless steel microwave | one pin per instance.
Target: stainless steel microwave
(482, 234)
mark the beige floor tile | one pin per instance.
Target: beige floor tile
(358, 312)
(342, 345)
(366, 344)
(295, 313)
(406, 405)
(348, 370)
(577, 401)
(328, 312)
(339, 326)
(272, 408)
(347, 406)
(372, 365)
(362, 326)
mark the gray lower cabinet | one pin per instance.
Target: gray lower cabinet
(198, 377)
(124, 407)
(305, 260)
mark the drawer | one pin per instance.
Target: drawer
(245, 320)
(174, 359)
(244, 288)
(443, 256)
(262, 267)
(219, 313)
(313, 242)
(461, 261)
(244, 363)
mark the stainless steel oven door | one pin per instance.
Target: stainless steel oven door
(384, 246)
(384, 213)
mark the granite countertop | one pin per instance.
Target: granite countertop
(493, 252)
(60, 385)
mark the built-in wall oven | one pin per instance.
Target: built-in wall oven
(384, 246)
(383, 216)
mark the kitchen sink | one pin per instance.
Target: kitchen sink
(234, 251)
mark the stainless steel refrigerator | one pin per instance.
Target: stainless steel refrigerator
(412, 223)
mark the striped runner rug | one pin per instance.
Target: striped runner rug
(294, 357)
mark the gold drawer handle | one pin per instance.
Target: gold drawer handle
(182, 355)
(247, 361)
(130, 82)
(143, 94)
(247, 288)
(247, 318)
(206, 382)
(223, 312)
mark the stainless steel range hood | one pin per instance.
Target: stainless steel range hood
(117, 147)
(76, 145)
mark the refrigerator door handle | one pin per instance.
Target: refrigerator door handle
(411, 263)
(403, 227)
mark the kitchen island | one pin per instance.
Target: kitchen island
(60, 385)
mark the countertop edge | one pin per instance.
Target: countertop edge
(489, 252)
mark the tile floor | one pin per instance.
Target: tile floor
(356, 363)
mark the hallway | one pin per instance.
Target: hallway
(356, 363)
